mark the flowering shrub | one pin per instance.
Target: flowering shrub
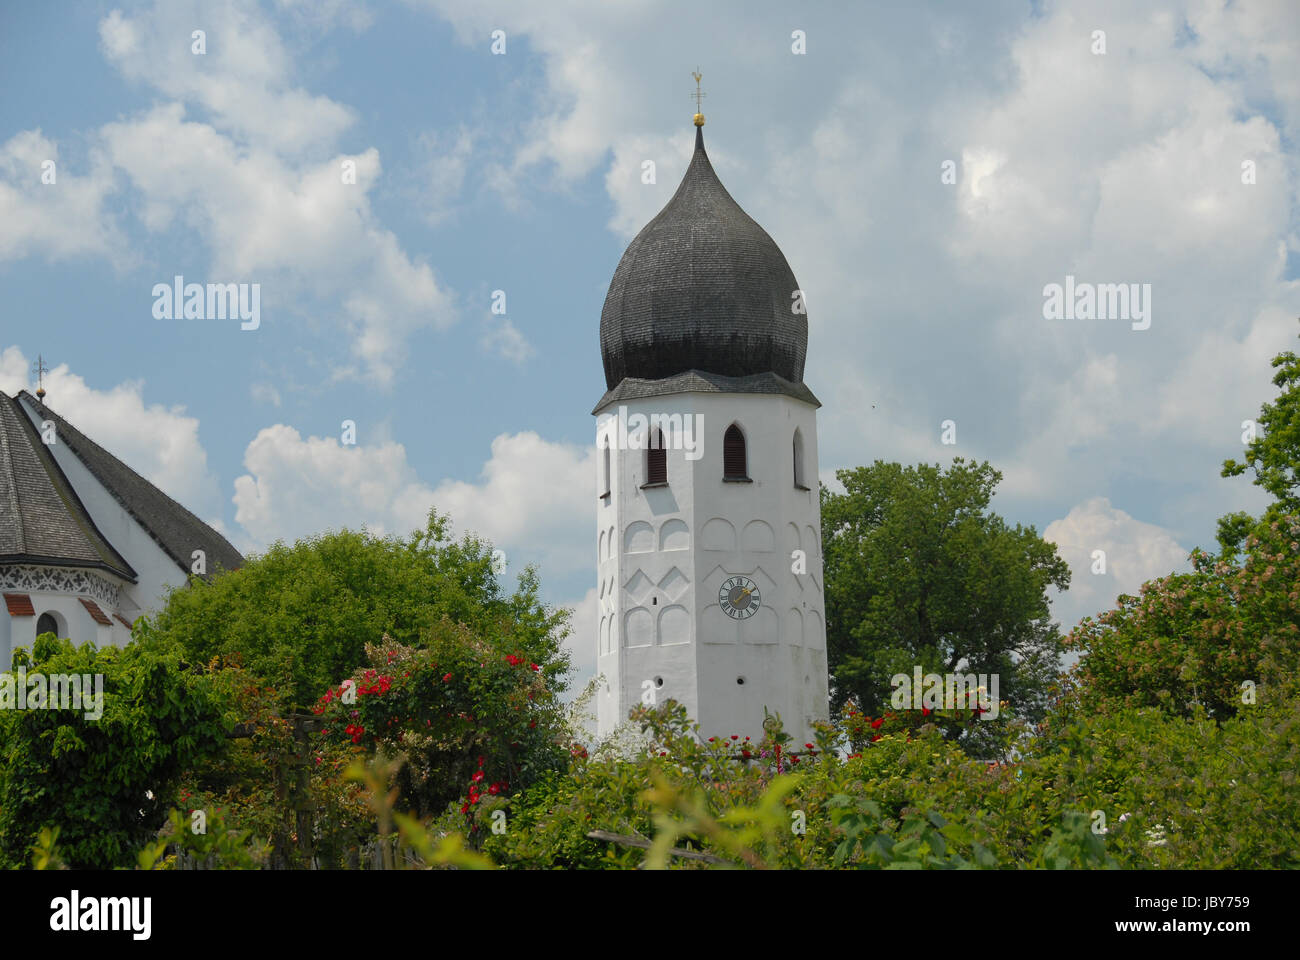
(470, 720)
(1195, 638)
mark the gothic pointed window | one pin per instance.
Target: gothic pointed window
(46, 624)
(734, 465)
(656, 460)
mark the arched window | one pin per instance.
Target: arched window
(798, 461)
(656, 459)
(46, 623)
(734, 466)
(604, 475)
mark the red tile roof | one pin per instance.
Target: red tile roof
(96, 614)
(20, 605)
(124, 621)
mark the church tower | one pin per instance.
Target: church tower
(708, 521)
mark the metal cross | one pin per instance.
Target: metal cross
(40, 369)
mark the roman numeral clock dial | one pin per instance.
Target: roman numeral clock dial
(739, 598)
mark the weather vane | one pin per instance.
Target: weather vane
(697, 96)
(40, 369)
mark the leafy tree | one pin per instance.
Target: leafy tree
(299, 617)
(103, 782)
(920, 572)
(1191, 641)
(1273, 456)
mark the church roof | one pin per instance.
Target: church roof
(698, 381)
(42, 520)
(177, 531)
(702, 287)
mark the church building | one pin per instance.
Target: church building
(86, 543)
(708, 519)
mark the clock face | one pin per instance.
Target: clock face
(739, 598)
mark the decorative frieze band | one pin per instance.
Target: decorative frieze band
(60, 580)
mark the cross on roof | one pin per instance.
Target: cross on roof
(40, 369)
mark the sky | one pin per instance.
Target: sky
(928, 169)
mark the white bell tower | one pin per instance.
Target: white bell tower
(708, 529)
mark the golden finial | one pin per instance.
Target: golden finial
(40, 369)
(698, 95)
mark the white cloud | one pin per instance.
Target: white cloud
(502, 337)
(57, 220)
(158, 442)
(255, 176)
(1135, 552)
(533, 498)
(244, 80)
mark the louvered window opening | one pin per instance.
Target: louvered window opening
(656, 460)
(733, 455)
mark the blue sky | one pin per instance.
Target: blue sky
(522, 172)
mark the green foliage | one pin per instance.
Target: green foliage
(1183, 791)
(103, 782)
(469, 716)
(919, 572)
(217, 846)
(1075, 844)
(299, 617)
(1273, 456)
(1195, 639)
(897, 804)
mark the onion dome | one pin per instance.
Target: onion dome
(703, 290)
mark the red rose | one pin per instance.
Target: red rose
(478, 775)
(446, 677)
(875, 724)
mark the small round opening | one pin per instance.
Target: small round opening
(740, 681)
(659, 681)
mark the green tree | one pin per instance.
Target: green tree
(1273, 456)
(104, 781)
(919, 572)
(299, 617)
(1201, 640)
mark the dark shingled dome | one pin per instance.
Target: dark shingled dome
(702, 287)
